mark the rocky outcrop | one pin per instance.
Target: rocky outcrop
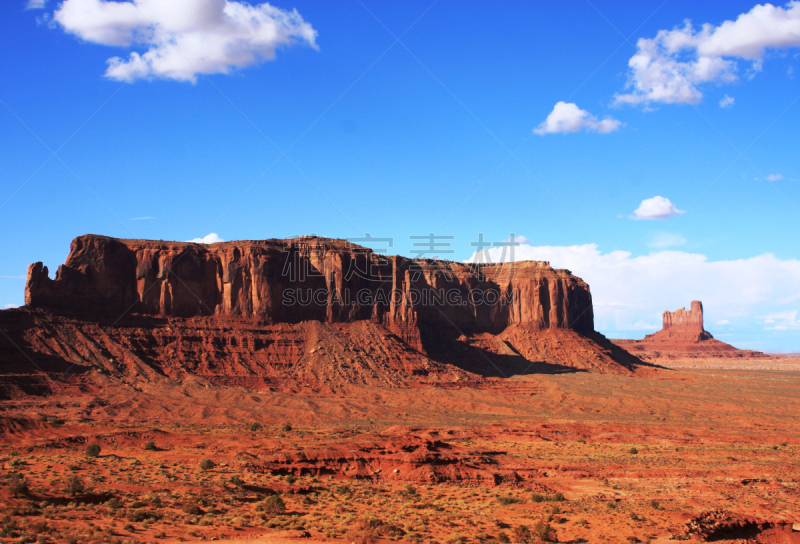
(683, 335)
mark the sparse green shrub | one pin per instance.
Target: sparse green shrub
(633, 451)
(290, 479)
(365, 531)
(74, 485)
(207, 464)
(93, 450)
(522, 533)
(272, 505)
(139, 516)
(150, 446)
(408, 491)
(17, 485)
(255, 426)
(502, 537)
(655, 505)
(343, 490)
(507, 499)
(543, 531)
(238, 482)
(555, 497)
(192, 510)
(114, 503)
(286, 428)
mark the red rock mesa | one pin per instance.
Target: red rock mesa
(309, 310)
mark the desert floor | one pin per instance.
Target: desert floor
(699, 454)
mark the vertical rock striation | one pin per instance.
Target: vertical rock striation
(691, 320)
(290, 281)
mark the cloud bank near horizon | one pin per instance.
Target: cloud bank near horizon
(630, 293)
(182, 38)
(211, 238)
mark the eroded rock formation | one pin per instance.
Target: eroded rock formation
(317, 309)
(683, 320)
(683, 335)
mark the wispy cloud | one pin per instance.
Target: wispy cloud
(662, 240)
(183, 38)
(726, 102)
(22, 277)
(568, 117)
(781, 321)
(35, 4)
(774, 177)
(141, 218)
(10, 306)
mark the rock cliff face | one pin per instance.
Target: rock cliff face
(290, 281)
(304, 311)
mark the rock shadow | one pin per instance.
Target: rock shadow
(450, 346)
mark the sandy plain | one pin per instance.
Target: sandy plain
(701, 453)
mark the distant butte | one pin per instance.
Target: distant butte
(683, 335)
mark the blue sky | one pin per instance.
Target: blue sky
(348, 130)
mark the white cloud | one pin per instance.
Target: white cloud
(183, 38)
(568, 117)
(144, 218)
(672, 66)
(657, 207)
(663, 240)
(723, 322)
(10, 306)
(782, 321)
(628, 291)
(212, 238)
(726, 102)
(35, 4)
(774, 177)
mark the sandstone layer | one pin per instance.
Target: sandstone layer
(299, 312)
(683, 336)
